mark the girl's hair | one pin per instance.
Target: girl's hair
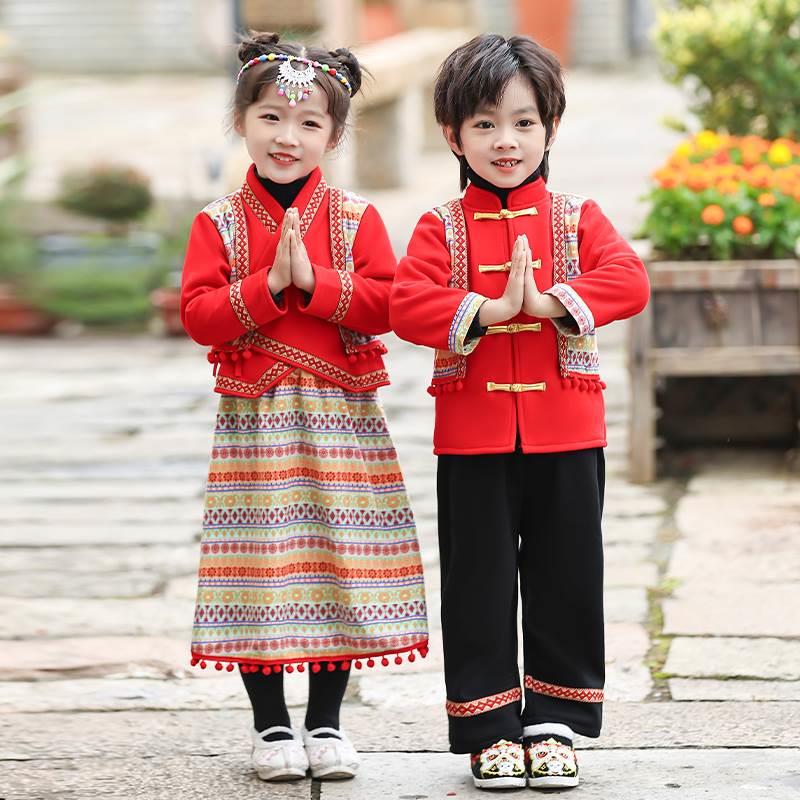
(477, 73)
(259, 77)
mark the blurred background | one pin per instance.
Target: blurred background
(682, 121)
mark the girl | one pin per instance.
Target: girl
(309, 553)
(509, 283)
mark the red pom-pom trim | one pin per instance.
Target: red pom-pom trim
(289, 668)
(195, 661)
(315, 667)
(385, 661)
(331, 666)
(358, 665)
(301, 667)
(370, 663)
(203, 665)
(229, 668)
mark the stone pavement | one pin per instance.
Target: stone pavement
(105, 445)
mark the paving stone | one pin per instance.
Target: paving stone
(397, 691)
(644, 574)
(733, 609)
(731, 657)
(84, 657)
(78, 491)
(774, 560)
(415, 729)
(625, 604)
(660, 774)
(641, 530)
(141, 694)
(40, 534)
(26, 618)
(189, 777)
(733, 690)
(156, 558)
(79, 584)
(749, 520)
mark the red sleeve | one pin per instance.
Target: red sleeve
(213, 310)
(424, 309)
(613, 283)
(359, 300)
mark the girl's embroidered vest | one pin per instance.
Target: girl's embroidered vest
(577, 355)
(346, 211)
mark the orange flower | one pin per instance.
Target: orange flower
(742, 225)
(713, 215)
(767, 199)
(728, 186)
(698, 178)
(667, 178)
(761, 176)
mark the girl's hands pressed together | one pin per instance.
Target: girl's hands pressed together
(302, 271)
(280, 276)
(510, 304)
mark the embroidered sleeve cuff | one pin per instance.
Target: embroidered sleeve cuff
(333, 291)
(571, 300)
(457, 341)
(252, 301)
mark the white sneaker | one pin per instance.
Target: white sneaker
(283, 760)
(330, 757)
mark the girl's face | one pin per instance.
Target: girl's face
(504, 144)
(286, 143)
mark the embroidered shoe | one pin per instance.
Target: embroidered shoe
(501, 766)
(330, 757)
(281, 760)
(551, 762)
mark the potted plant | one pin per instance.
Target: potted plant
(723, 229)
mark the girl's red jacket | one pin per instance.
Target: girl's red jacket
(256, 338)
(513, 390)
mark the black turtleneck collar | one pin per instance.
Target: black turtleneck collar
(501, 193)
(284, 193)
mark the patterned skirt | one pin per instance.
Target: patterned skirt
(309, 551)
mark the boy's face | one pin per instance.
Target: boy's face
(286, 143)
(504, 144)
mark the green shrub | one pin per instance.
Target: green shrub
(113, 193)
(739, 58)
(96, 296)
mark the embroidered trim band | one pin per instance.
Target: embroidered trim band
(343, 306)
(564, 692)
(472, 708)
(239, 307)
(462, 319)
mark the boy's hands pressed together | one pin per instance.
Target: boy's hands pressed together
(302, 271)
(280, 276)
(510, 304)
(534, 303)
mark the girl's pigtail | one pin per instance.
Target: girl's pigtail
(256, 44)
(351, 65)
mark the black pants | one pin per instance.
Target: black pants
(533, 521)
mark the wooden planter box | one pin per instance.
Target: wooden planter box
(709, 318)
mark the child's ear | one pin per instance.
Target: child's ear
(450, 137)
(238, 126)
(552, 138)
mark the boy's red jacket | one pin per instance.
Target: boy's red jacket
(513, 388)
(292, 331)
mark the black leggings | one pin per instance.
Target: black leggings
(325, 694)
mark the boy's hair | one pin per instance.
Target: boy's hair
(259, 77)
(477, 73)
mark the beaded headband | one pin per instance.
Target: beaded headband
(292, 83)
